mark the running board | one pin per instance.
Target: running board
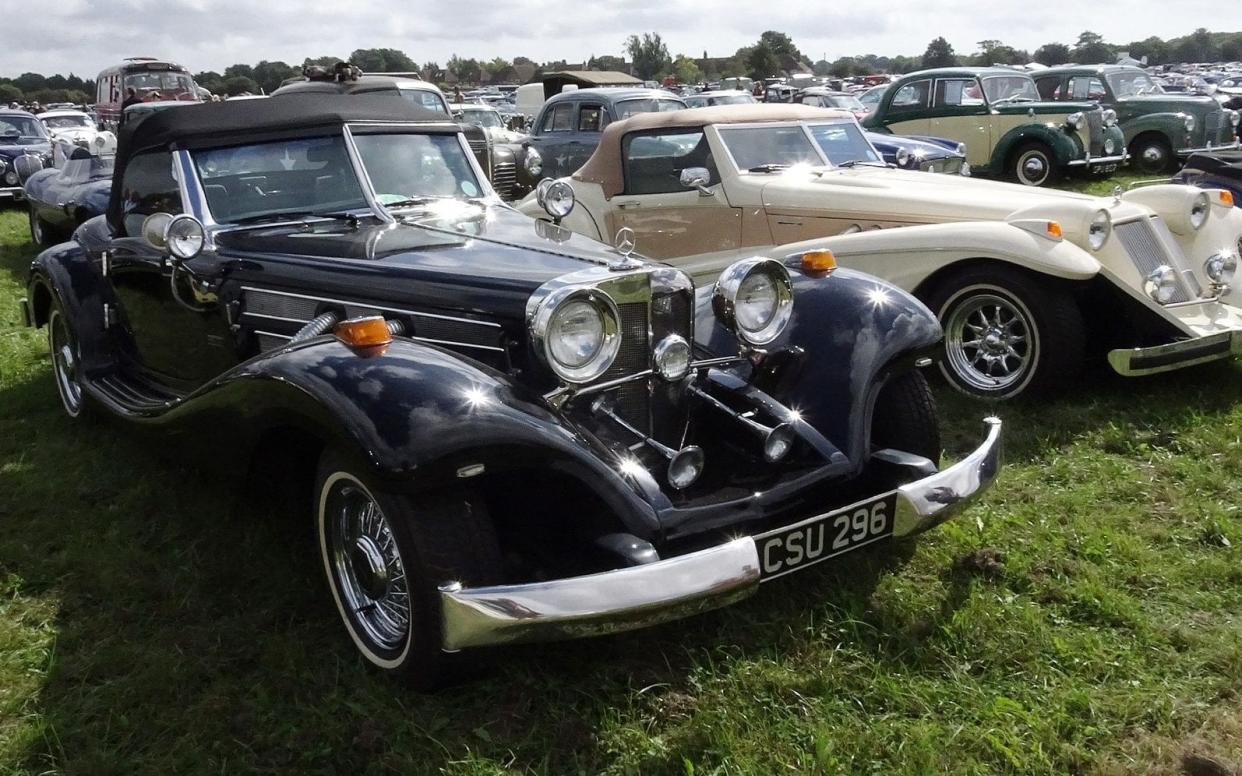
(134, 396)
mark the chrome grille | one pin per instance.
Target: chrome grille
(1149, 249)
(504, 178)
(632, 402)
(477, 144)
(951, 165)
(291, 308)
(1214, 124)
(1095, 132)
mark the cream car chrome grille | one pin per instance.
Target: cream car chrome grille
(1150, 245)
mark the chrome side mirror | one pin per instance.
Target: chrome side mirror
(697, 178)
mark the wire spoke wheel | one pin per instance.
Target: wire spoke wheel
(988, 342)
(65, 363)
(366, 565)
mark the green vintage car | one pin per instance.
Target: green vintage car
(1007, 128)
(1160, 128)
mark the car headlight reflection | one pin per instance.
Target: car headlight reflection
(1099, 229)
(754, 298)
(577, 331)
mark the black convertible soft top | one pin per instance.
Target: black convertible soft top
(239, 122)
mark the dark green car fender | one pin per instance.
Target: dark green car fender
(1171, 125)
(1065, 146)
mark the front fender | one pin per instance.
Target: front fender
(66, 274)
(1168, 125)
(1065, 147)
(909, 255)
(853, 331)
(420, 417)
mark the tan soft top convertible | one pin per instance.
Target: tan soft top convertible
(604, 166)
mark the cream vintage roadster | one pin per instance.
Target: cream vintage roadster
(1028, 283)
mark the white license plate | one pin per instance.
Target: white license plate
(812, 541)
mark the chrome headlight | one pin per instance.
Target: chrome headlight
(533, 162)
(1110, 117)
(11, 178)
(1234, 116)
(1199, 210)
(1221, 267)
(1074, 121)
(555, 197)
(184, 237)
(1189, 121)
(577, 333)
(754, 299)
(1161, 284)
(1099, 229)
(672, 357)
(903, 157)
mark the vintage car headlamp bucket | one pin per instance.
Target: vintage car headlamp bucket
(1098, 230)
(185, 237)
(1161, 284)
(1110, 117)
(672, 358)
(1221, 267)
(1188, 121)
(754, 299)
(556, 198)
(533, 162)
(577, 332)
(153, 228)
(1074, 120)
(903, 157)
(1234, 117)
(1199, 209)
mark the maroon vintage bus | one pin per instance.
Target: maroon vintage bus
(151, 79)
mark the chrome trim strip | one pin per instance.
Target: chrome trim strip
(492, 324)
(457, 344)
(273, 334)
(275, 317)
(360, 171)
(635, 597)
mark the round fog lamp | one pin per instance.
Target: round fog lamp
(778, 442)
(1161, 284)
(685, 467)
(558, 199)
(1221, 267)
(184, 237)
(672, 357)
(1109, 146)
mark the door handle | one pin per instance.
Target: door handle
(628, 205)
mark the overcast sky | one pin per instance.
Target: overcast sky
(84, 36)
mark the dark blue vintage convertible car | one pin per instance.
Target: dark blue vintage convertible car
(24, 145)
(508, 432)
(62, 199)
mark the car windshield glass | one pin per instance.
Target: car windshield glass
(86, 168)
(1010, 88)
(67, 122)
(167, 84)
(482, 118)
(627, 108)
(1130, 83)
(21, 128)
(732, 99)
(408, 168)
(309, 175)
(873, 96)
(762, 149)
(844, 142)
(846, 102)
(425, 98)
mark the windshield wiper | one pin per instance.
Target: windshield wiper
(768, 168)
(863, 162)
(293, 215)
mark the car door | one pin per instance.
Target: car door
(591, 118)
(181, 337)
(904, 111)
(958, 111)
(554, 137)
(669, 220)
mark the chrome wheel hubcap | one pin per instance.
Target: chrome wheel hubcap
(987, 343)
(367, 566)
(1033, 167)
(64, 365)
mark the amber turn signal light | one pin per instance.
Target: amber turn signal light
(1226, 198)
(818, 261)
(368, 332)
(1054, 230)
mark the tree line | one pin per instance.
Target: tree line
(774, 53)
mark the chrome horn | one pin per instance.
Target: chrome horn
(778, 440)
(684, 465)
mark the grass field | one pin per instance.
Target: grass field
(1085, 617)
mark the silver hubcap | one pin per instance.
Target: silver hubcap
(1033, 167)
(988, 343)
(64, 364)
(366, 566)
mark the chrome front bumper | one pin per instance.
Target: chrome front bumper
(639, 596)
(16, 192)
(1134, 362)
(1209, 149)
(1098, 161)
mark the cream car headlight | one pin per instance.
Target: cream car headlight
(754, 299)
(577, 332)
(1189, 122)
(1199, 210)
(1161, 284)
(1221, 268)
(1099, 229)
(1110, 117)
(1074, 120)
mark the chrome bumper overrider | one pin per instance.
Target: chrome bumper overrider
(1176, 355)
(639, 596)
(1209, 149)
(1096, 161)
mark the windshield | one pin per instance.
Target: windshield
(1130, 83)
(482, 118)
(20, 128)
(873, 96)
(846, 102)
(315, 176)
(81, 167)
(67, 122)
(167, 83)
(774, 145)
(843, 142)
(731, 99)
(627, 108)
(425, 98)
(1010, 88)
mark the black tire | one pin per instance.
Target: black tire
(1028, 332)
(1034, 164)
(42, 233)
(66, 355)
(905, 417)
(1151, 154)
(430, 540)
